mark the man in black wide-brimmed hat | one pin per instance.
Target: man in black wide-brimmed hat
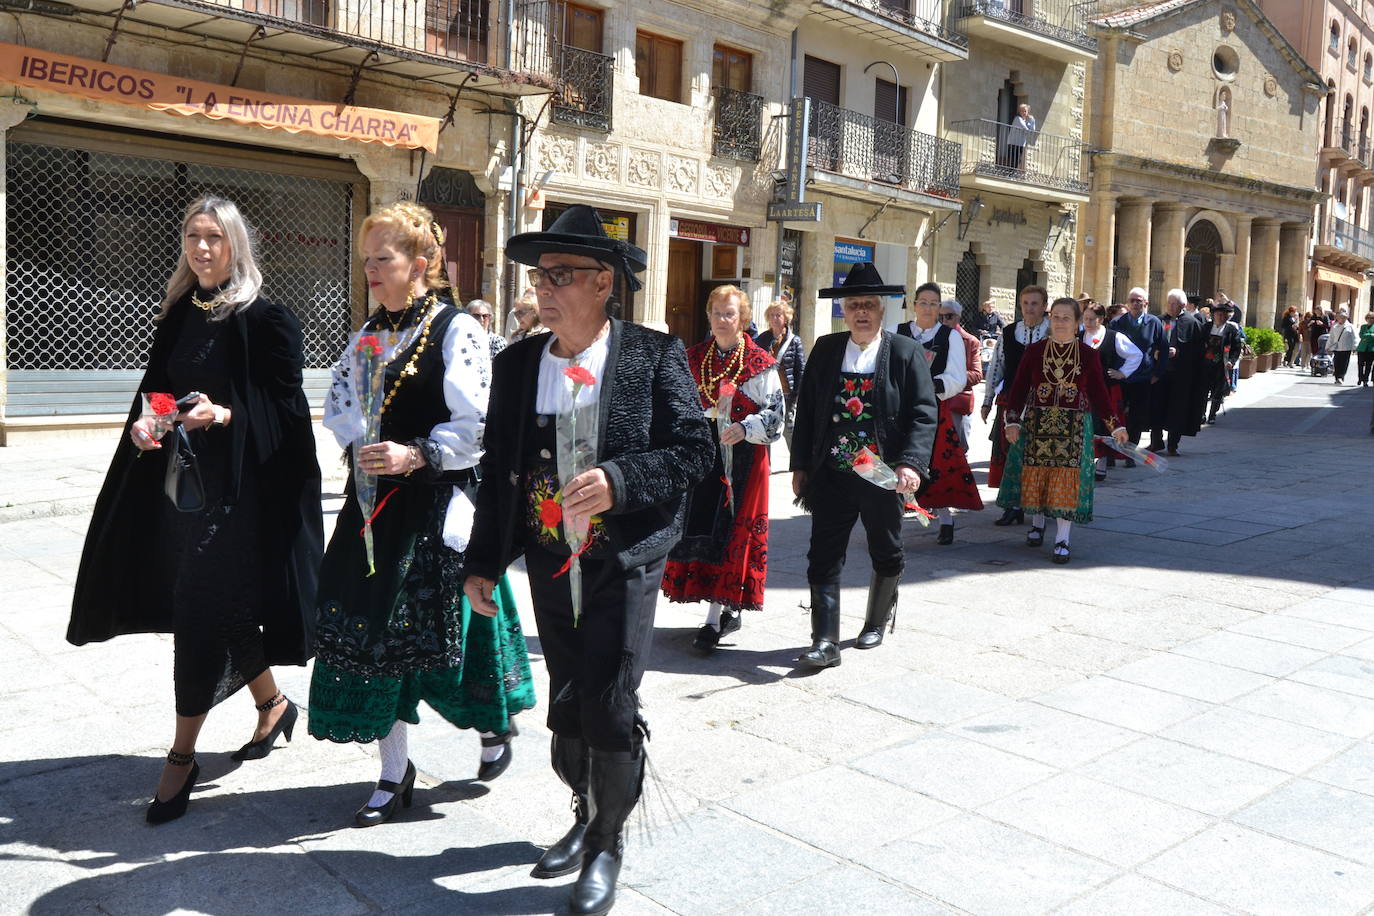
(651, 447)
(862, 388)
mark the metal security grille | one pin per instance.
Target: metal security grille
(968, 285)
(92, 239)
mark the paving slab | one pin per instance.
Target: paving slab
(1319, 815)
(1132, 706)
(1132, 895)
(1263, 656)
(840, 891)
(1051, 736)
(1317, 707)
(1190, 677)
(1259, 739)
(1297, 631)
(954, 770)
(1353, 770)
(1264, 875)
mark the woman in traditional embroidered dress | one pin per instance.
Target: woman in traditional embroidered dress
(1049, 471)
(389, 639)
(233, 582)
(723, 555)
(951, 483)
(1120, 357)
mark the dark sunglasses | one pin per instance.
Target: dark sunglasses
(558, 276)
(946, 316)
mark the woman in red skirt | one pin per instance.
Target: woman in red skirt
(1120, 358)
(951, 480)
(723, 555)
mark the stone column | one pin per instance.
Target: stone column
(1098, 283)
(1238, 287)
(1265, 266)
(10, 116)
(1166, 247)
(1293, 265)
(1136, 225)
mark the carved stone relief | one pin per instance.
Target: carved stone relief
(603, 162)
(682, 175)
(643, 169)
(557, 153)
(1228, 21)
(1175, 61)
(1271, 86)
(719, 182)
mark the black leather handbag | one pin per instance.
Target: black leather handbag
(182, 483)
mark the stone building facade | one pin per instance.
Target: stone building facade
(95, 179)
(1021, 190)
(1202, 113)
(1337, 38)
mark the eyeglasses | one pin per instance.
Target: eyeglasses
(948, 316)
(558, 276)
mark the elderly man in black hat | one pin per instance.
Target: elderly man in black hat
(863, 389)
(652, 445)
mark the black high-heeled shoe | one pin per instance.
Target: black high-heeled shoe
(946, 535)
(160, 812)
(1011, 517)
(488, 770)
(401, 794)
(256, 750)
(1035, 537)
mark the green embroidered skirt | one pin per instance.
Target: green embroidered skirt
(1049, 470)
(386, 641)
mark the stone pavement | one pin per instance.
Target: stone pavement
(1179, 721)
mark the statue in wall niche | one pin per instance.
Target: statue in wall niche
(1223, 113)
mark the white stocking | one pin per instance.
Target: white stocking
(946, 516)
(395, 751)
(1102, 464)
(1061, 530)
(713, 615)
(492, 753)
(1038, 521)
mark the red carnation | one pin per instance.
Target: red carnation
(863, 458)
(580, 375)
(727, 390)
(550, 513)
(161, 403)
(369, 346)
(854, 406)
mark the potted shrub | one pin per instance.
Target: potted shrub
(1255, 345)
(1247, 360)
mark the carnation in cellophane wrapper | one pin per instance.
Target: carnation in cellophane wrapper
(576, 432)
(160, 410)
(725, 402)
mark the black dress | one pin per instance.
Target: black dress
(232, 582)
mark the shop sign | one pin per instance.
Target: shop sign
(617, 227)
(846, 254)
(103, 82)
(708, 232)
(794, 211)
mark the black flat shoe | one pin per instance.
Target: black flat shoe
(256, 750)
(401, 794)
(1099, 476)
(1061, 558)
(489, 770)
(706, 639)
(1035, 537)
(1130, 462)
(1011, 517)
(160, 812)
(946, 535)
(730, 622)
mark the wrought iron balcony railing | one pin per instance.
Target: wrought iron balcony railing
(870, 149)
(737, 133)
(1340, 134)
(1062, 20)
(924, 16)
(587, 88)
(1350, 238)
(1007, 152)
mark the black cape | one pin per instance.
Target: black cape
(118, 589)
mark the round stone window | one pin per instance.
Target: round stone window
(1225, 63)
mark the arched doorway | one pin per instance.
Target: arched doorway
(1202, 249)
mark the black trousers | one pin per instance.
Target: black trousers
(837, 501)
(1341, 358)
(1139, 400)
(1365, 361)
(596, 666)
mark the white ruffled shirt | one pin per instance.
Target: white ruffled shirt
(997, 368)
(1125, 349)
(955, 376)
(555, 391)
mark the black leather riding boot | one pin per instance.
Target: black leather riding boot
(825, 627)
(616, 780)
(882, 610)
(570, 762)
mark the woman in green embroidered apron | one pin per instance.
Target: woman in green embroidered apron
(394, 627)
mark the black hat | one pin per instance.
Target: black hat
(863, 280)
(1223, 306)
(578, 230)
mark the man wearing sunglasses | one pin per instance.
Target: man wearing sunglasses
(650, 447)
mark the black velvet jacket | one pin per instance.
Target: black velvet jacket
(904, 404)
(653, 445)
(271, 437)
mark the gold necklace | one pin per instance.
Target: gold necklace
(205, 305)
(733, 369)
(1062, 362)
(419, 349)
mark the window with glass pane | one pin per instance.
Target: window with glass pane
(732, 69)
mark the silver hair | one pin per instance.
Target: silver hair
(245, 280)
(952, 304)
(1138, 289)
(1178, 294)
(477, 304)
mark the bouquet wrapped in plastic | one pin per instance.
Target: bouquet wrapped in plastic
(576, 430)
(1131, 450)
(160, 410)
(725, 399)
(866, 463)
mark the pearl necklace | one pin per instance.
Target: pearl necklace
(733, 369)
